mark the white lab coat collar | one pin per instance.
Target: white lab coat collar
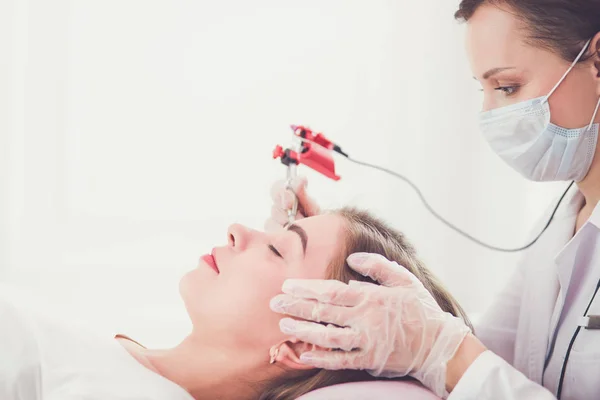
(568, 249)
(564, 267)
(544, 297)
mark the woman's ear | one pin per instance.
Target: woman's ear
(287, 353)
(595, 46)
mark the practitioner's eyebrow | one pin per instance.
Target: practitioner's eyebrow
(488, 74)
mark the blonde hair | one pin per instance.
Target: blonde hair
(363, 233)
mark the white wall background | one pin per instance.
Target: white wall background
(132, 133)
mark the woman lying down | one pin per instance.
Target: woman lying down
(236, 349)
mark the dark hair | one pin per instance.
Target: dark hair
(562, 26)
(363, 233)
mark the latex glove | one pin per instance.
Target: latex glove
(392, 330)
(283, 200)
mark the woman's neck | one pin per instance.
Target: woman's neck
(590, 189)
(590, 186)
(209, 372)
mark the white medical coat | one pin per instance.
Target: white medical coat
(44, 359)
(520, 327)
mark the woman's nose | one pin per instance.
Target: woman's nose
(487, 104)
(238, 237)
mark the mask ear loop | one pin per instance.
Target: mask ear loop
(581, 53)
(594, 116)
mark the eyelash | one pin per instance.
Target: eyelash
(505, 89)
(274, 250)
(508, 90)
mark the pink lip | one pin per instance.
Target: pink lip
(210, 260)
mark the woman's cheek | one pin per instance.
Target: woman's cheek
(259, 311)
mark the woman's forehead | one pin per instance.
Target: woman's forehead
(325, 237)
(495, 38)
(325, 228)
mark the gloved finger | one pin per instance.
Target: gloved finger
(330, 336)
(325, 291)
(354, 283)
(280, 215)
(272, 226)
(281, 195)
(310, 310)
(380, 269)
(334, 360)
(284, 198)
(365, 287)
(307, 204)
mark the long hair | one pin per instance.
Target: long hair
(363, 233)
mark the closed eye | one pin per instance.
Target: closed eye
(274, 250)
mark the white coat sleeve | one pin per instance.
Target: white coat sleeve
(20, 375)
(497, 328)
(492, 378)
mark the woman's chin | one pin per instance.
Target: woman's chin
(193, 285)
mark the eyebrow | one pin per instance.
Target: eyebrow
(301, 233)
(494, 71)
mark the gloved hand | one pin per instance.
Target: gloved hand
(283, 200)
(392, 330)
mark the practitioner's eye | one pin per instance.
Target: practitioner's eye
(508, 90)
(274, 250)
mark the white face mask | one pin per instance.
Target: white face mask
(523, 136)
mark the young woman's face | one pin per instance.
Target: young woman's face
(231, 305)
(510, 70)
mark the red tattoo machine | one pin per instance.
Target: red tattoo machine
(312, 150)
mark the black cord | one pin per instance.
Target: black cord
(564, 366)
(450, 225)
